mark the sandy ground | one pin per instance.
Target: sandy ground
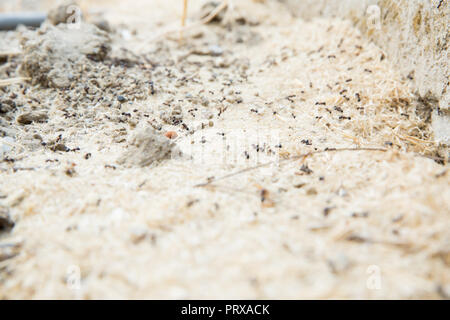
(97, 215)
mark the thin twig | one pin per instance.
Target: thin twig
(213, 14)
(9, 53)
(203, 21)
(415, 140)
(286, 160)
(304, 156)
(7, 82)
(183, 18)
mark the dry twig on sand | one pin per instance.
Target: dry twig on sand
(9, 53)
(183, 18)
(304, 156)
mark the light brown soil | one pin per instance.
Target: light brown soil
(90, 196)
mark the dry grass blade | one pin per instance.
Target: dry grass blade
(302, 156)
(203, 21)
(306, 155)
(7, 82)
(183, 18)
(213, 14)
(9, 53)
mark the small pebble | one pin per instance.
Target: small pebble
(171, 134)
(215, 50)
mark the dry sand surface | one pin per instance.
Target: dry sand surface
(252, 197)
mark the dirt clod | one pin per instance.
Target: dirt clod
(55, 56)
(146, 146)
(30, 117)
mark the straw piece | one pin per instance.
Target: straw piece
(203, 21)
(7, 82)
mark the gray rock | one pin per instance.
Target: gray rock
(145, 147)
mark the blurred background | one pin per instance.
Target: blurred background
(24, 5)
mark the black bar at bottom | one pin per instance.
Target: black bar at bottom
(226, 309)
